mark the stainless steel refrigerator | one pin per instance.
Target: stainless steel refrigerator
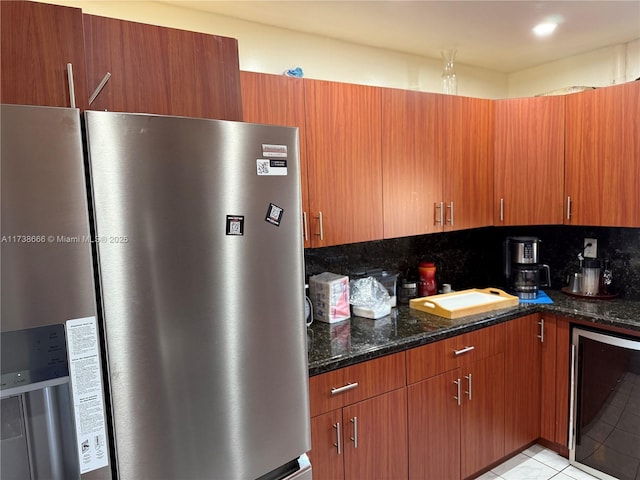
(198, 253)
(201, 272)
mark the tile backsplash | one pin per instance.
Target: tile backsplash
(473, 258)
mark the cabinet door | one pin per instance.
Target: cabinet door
(327, 450)
(483, 403)
(411, 163)
(343, 124)
(375, 438)
(434, 427)
(529, 161)
(523, 359)
(468, 169)
(37, 41)
(603, 156)
(162, 70)
(279, 100)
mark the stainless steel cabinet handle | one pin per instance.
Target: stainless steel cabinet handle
(338, 443)
(320, 228)
(464, 350)
(305, 226)
(99, 88)
(568, 208)
(502, 209)
(541, 336)
(344, 388)
(468, 392)
(72, 90)
(438, 213)
(450, 208)
(354, 420)
(458, 397)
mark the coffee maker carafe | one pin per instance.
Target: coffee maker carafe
(522, 267)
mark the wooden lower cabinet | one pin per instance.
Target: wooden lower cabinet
(482, 426)
(555, 382)
(469, 401)
(451, 436)
(366, 440)
(523, 358)
(326, 457)
(456, 410)
(434, 430)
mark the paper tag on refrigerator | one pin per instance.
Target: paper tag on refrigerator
(86, 386)
(271, 167)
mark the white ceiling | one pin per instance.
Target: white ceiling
(490, 34)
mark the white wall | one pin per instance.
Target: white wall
(599, 68)
(273, 50)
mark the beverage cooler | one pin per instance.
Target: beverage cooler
(605, 404)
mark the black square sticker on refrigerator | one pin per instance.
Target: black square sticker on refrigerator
(235, 224)
(274, 215)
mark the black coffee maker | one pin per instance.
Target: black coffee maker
(522, 267)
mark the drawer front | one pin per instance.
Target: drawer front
(351, 384)
(472, 346)
(428, 361)
(439, 357)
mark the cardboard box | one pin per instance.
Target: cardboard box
(330, 297)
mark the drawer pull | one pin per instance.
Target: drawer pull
(344, 388)
(463, 350)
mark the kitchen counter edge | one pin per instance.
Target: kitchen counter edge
(334, 346)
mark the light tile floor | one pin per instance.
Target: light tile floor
(536, 463)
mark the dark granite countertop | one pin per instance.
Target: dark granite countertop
(337, 345)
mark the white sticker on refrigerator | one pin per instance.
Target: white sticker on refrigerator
(271, 167)
(86, 385)
(269, 150)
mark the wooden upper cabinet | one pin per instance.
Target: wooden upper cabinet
(162, 70)
(343, 130)
(279, 100)
(412, 163)
(529, 161)
(37, 42)
(603, 156)
(468, 162)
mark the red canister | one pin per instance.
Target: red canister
(427, 272)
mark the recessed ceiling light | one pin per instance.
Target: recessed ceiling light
(544, 29)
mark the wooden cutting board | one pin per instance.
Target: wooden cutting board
(464, 302)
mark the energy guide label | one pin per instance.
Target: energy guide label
(86, 386)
